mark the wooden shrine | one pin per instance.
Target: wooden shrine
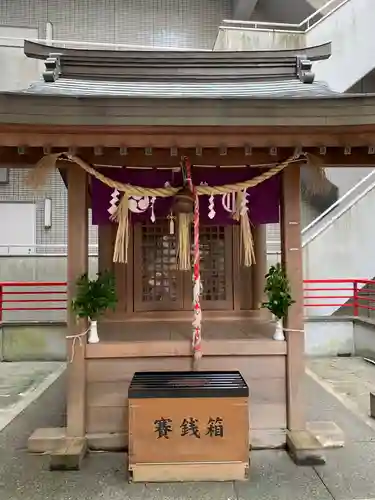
(117, 120)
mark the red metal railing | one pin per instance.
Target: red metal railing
(355, 295)
(32, 296)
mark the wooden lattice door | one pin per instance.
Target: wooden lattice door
(158, 285)
(216, 267)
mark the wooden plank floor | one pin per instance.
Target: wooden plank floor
(248, 329)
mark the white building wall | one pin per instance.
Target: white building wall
(17, 71)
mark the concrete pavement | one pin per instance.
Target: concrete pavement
(21, 383)
(348, 474)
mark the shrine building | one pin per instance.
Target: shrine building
(124, 129)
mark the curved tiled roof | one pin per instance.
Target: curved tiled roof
(176, 74)
(276, 89)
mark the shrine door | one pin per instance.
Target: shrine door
(159, 286)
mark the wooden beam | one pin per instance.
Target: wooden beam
(291, 252)
(77, 265)
(185, 136)
(162, 158)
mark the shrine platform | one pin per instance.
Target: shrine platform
(158, 334)
(244, 344)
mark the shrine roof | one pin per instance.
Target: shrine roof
(112, 89)
(274, 90)
(178, 74)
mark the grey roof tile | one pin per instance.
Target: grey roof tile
(271, 89)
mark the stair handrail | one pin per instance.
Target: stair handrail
(338, 202)
(301, 27)
(331, 209)
(347, 207)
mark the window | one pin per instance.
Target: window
(17, 228)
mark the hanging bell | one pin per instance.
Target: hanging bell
(183, 201)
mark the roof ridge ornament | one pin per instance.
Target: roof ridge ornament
(304, 72)
(53, 68)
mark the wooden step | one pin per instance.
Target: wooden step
(189, 471)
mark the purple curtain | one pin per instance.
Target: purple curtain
(263, 199)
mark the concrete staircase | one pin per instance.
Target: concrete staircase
(347, 24)
(339, 243)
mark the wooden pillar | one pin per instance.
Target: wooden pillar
(77, 265)
(291, 255)
(260, 267)
(105, 247)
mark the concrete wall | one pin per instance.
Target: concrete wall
(285, 11)
(317, 4)
(183, 23)
(346, 178)
(17, 71)
(350, 31)
(366, 85)
(33, 341)
(329, 338)
(340, 336)
(364, 337)
(259, 39)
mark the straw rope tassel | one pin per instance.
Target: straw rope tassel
(246, 233)
(37, 177)
(121, 216)
(183, 250)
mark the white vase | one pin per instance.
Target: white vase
(93, 333)
(279, 332)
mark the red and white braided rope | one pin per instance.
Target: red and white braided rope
(197, 320)
(197, 311)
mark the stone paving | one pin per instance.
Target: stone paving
(348, 474)
(350, 379)
(21, 383)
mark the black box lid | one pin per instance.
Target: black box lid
(200, 384)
